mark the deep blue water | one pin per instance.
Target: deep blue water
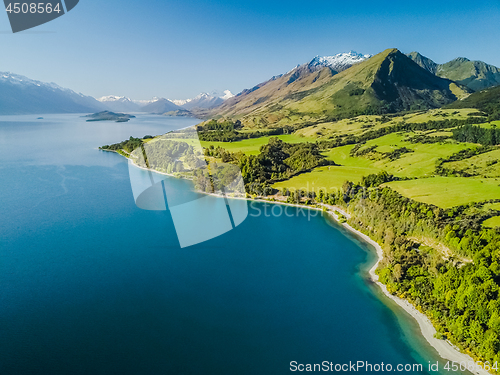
(90, 284)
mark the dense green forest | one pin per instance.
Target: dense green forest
(460, 296)
(477, 134)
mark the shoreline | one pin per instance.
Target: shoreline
(444, 348)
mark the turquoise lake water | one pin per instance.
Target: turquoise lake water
(91, 284)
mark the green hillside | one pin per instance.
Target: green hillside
(389, 82)
(446, 192)
(476, 75)
(487, 100)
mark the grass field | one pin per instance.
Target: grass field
(328, 179)
(483, 165)
(492, 222)
(488, 125)
(252, 146)
(434, 133)
(420, 163)
(447, 192)
(247, 146)
(492, 206)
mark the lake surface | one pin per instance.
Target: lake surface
(91, 284)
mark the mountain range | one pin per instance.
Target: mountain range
(476, 75)
(324, 89)
(21, 95)
(162, 105)
(204, 100)
(387, 82)
(121, 104)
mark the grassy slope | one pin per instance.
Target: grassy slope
(448, 191)
(441, 191)
(360, 124)
(480, 100)
(492, 124)
(328, 179)
(492, 222)
(492, 206)
(479, 164)
(419, 163)
(252, 146)
(475, 74)
(495, 220)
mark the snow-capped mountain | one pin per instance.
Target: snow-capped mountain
(180, 102)
(22, 95)
(144, 102)
(336, 63)
(204, 100)
(120, 104)
(227, 95)
(340, 61)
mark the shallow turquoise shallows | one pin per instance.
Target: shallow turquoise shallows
(91, 284)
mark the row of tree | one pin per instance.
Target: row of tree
(477, 134)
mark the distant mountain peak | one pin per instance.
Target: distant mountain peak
(423, 61)
(227, 95)
(202, 95)
(461, 59)
(160, 106)
(204, 100)
(337, 63)
(114, 98)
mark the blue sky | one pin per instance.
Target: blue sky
(177, 49)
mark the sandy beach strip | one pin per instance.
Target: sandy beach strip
(443, 347)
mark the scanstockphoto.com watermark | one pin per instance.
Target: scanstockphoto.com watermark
(307, 201)
(368, 367)
(358, 366)
(278, 209)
